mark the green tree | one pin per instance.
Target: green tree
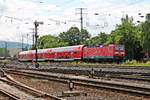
(73, 36)
(127, 34)
(49, 41)
(97, 40)
(145, 27)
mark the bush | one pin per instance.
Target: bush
(148, 62)
(131, 62)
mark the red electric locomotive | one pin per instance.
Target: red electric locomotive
(104, 53)
(71, 53)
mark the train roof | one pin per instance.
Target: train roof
(109, 45)
(59, 49)
(68, 48)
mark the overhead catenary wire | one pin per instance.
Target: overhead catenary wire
(65, 21)
(116, 8)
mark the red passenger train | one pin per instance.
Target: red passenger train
(80, 52)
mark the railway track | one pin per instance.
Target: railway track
(101, 71)
(126, 73)
(103, 68)
(141, 77)
(35, 94)
(137, 89)
(10, 95)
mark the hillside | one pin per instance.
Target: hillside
(13, 44)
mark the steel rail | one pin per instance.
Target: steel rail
(35, 92)
(14, 97)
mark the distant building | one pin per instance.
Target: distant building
(9, 52)
(13, 51)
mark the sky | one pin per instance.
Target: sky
(17, 16)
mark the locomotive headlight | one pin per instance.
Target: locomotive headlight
(116, 52)
(122, 53)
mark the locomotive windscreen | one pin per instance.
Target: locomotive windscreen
(120, 47)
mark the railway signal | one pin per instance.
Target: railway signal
(36, 23)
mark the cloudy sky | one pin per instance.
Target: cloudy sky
(17, 16)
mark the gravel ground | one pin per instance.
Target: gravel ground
(4, 97)
(56, 88)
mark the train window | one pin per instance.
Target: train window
(75, 52)
(120, 47)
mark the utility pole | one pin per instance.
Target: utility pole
(33, 37)
(36, 23)
(5, 49)
(27, 40)
(22, 43)
(81, 17)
